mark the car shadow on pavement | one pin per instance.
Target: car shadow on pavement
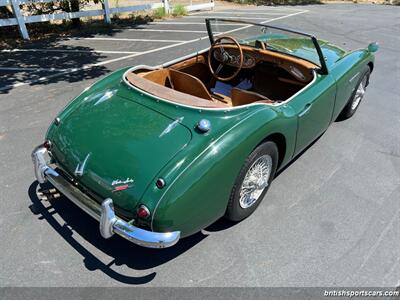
(223, 224)
(300, 154)
(122, 251)
(220, 225)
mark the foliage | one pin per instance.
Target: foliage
(159, 13)
(179, 10)
(58, 6)
(115, 16)
(392, 2)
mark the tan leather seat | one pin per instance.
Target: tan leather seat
(187, 89)
(179, 81)
(184, 83)
(158, 76)
(243, 97)
(169, 94)
(188, 84)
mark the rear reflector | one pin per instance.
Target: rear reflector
(143, 212)
(47, 144)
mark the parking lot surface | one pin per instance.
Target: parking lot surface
(332, 218)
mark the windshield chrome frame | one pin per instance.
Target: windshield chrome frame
(323, 68)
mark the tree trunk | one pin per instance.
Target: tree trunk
(75, 7)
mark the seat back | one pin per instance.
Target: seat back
(159, 76)
(243, 97)
(188, 84)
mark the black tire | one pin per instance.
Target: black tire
(351, 106)
(235, 210)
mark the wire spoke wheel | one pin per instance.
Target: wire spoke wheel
(359, 94)
(255, 181)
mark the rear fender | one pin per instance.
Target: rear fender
(197, 195)
(347, 72)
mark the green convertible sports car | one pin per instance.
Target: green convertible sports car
(156, 153)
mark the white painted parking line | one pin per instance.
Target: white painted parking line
(131, 40)
(225, 17)
(88, 66)
(235, 12)
(168, 30)
(69, 50)
(269, 9)
(267, 21)
(188, 23)
(31, 69)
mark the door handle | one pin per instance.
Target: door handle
(305, 110)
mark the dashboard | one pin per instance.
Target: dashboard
(230, 56)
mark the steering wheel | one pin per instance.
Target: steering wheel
(224, 57)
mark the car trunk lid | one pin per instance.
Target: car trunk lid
(115, 147)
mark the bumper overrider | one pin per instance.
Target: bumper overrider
(104, 213)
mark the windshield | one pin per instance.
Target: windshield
(263, 36)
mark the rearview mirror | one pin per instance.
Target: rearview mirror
(373, 47)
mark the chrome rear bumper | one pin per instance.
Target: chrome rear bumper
(109, 222)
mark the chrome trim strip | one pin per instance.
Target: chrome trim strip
(109, 223)
(81, 200)
(39, 163)
(354, 77)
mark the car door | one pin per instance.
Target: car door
(314, 108)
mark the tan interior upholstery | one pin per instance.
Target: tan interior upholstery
(223, 98)
(242, 97)
(184, 88)
(196, 67)
(169, 94)
(159, 76)
(188, 84)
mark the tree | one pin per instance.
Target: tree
(59, 6)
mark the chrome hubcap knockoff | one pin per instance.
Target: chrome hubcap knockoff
(359, 95)
(255, 181)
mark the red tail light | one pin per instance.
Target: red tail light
(143, 212)
(47, 144)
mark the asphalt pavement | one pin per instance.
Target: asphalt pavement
(332, 218)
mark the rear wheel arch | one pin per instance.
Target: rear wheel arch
(251, 186)
(349, 109)
(371, 66)
(280, 141)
